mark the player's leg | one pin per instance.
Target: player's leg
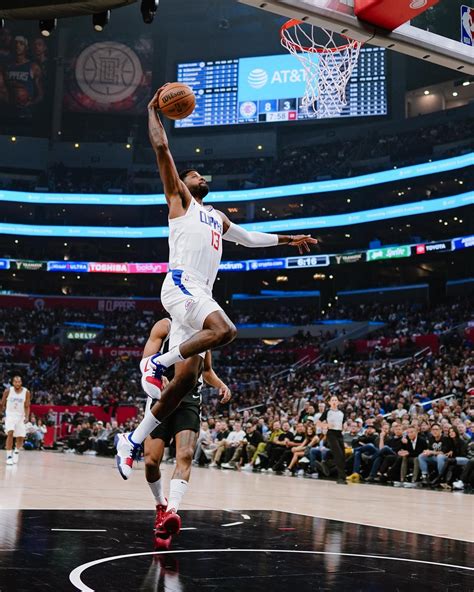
(9, 443)
(154, 449)
(185, 445)
(185, 379)
(192, 306)
(19, 441)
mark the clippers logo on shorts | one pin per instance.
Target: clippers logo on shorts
(189, 304)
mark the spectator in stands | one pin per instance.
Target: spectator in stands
(412, 446)
(277, 447)
(246, 448)
(299, 442)
(389, 445)
(434, 455)
(226, 447)
(366, 444)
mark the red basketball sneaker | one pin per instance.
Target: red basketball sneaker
(160, 513)
(162, 539)
(171, 522)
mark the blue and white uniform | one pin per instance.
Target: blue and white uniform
(15, 412)
(195, 243)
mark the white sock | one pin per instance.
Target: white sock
(178, 488)
(157, 491)
(144, 429)
(9, 453)
(169, 358)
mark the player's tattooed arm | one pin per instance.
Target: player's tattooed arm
(177, 194)
(211, 378)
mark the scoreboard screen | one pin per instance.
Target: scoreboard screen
(269, 89)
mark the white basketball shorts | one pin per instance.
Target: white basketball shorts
(188, 302)
(15, 424)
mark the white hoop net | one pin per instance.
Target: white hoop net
(328, 60)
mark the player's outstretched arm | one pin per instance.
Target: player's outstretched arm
(177, 194)
(237, 234)
(210, 377)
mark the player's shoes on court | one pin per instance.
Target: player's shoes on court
(162, 539)
(16, 456)
(150, 384)
(127, 452)
(171, 522)
(9, 460)
(160, 514)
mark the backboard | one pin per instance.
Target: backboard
(433, 36)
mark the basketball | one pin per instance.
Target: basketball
(177, 101)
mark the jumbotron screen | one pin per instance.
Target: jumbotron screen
(270, 89)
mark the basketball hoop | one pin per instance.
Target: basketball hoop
(328, 59)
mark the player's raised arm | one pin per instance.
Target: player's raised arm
(237, 234)
(177, 194)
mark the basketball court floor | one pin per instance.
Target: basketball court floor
(69, 522)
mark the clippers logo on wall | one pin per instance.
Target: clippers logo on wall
(109, 76)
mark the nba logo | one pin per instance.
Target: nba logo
(467, 25)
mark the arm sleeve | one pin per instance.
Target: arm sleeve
(324, 416)
(237, 234)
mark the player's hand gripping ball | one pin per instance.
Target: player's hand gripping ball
(176, 100)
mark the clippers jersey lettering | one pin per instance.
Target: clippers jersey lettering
(195, 242)
(16, 402)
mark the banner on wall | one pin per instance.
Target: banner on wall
(26, 351)
(421, 341)
(108, 76)
(86, 303)
(116, 352)
(26, 74)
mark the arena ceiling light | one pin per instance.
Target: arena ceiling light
(100, 20)
(148, 9)
(47, 26)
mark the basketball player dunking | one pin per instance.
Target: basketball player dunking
(195, 243)
(182, 425)
(16, 405)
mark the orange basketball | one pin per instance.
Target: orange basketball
(177, 101)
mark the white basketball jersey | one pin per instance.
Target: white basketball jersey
(195, 242)
(16, 402)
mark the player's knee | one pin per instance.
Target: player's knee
(151, 461)
(184, 455)
(226, 333)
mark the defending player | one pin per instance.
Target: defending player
(183, 425)
(195, 243)
(15, 403)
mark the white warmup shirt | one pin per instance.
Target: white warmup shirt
(16, 403)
